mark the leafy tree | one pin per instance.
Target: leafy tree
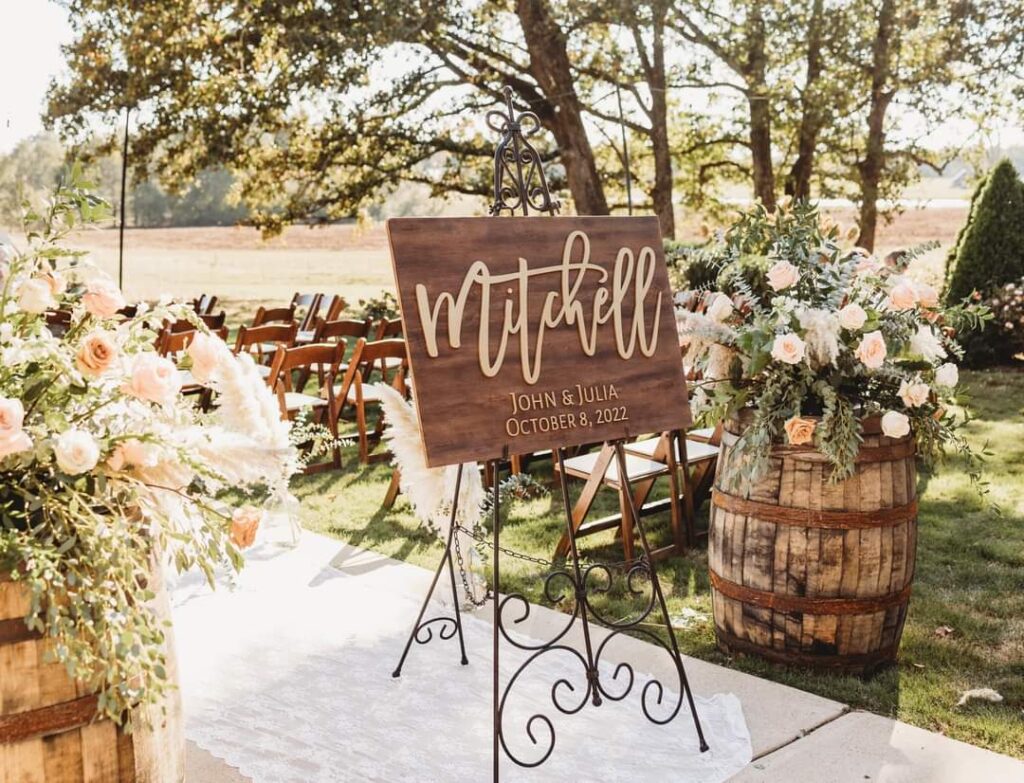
(990, 249)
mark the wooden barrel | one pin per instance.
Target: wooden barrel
(814, 573)
(48, 730)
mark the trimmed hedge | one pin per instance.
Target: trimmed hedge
(989, 250)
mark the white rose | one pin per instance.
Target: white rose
(852, 317)
(915, 394)
(924, 343)
(788, 348)
(947, 375)
(895, 425)
(720, 308)
(76, 452)
(35, 296)
(783, 275)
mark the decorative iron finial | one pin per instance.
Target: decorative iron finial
(519, 181)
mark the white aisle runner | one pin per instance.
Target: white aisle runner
(287, 676)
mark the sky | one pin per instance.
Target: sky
(32, 33)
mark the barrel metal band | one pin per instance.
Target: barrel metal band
(15, 631)
(853, 662)
(812, 517)
(798, 603)
(52, 719)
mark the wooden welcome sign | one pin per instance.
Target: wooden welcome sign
(533, 333)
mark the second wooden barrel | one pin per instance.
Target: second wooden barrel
(48, 730)
(810, 572)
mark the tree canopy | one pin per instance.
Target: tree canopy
(321, 106)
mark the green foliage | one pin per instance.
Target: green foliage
(690, 266)
(377, 307)
(990, 249)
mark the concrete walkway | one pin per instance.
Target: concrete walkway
(796, 736)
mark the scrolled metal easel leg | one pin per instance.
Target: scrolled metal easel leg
(456, 622)
(496, 579)
(620, 454)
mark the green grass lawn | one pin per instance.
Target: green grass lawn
(970, 577)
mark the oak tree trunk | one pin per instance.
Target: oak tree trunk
(798, 182)
(661, 194)
(549, 65)
(872, 165)
(760, 113)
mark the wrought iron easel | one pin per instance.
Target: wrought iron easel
(520, 185)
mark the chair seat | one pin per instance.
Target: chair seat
(703, 435)
(263, 370)
(696, 451)
(304, 336)
(637, 468)
(294, 401)
(370, 393)
(269, 349)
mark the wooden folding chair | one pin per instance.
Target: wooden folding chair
(58, 321)
(204, 304)
(212, 322)
(389, 357)
(388, 328)
(262, 342)
(292, 399)
(315, 308)
(173, 345)
(695, 458)
(271, 315)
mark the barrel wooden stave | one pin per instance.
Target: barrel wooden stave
(836, 586)
(47, 730)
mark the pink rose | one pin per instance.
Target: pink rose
(12, 437)
(788, 348)
(872, 350)
(207, 352)
(153, 378)
(852, 317)
(783, 275)
(96, 353)
(134, 453)
(102, 299)
(903, 295)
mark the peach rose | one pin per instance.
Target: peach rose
(927, 296)
(244, 523)
(872, 350)
(915, 394)
(134, 454)
(206, 352)
(153, 378)
(96, 353)
(868, 264)
(895, 425)
(903, 295)
(102, 299)
(56, 282)
(783, 275)
(852, 317)
(788, 348)
(12, 437)
(799, 431)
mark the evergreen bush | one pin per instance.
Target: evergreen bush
(989, 251)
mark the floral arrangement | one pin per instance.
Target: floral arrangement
(105, 468)
(807, 338)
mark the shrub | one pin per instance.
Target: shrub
(989, 251)
(689, 266)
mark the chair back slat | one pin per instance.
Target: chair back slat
(250, 337)
(388, 328)
(266, 315)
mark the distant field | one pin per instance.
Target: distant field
(237, 265)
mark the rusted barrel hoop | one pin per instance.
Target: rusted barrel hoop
(853, 661)
(812, 517)
(796, 603)
(52, 719)
(15, 631)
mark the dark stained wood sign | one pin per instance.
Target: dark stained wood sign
(533, 333)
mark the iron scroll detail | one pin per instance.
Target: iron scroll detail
(519, 181)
